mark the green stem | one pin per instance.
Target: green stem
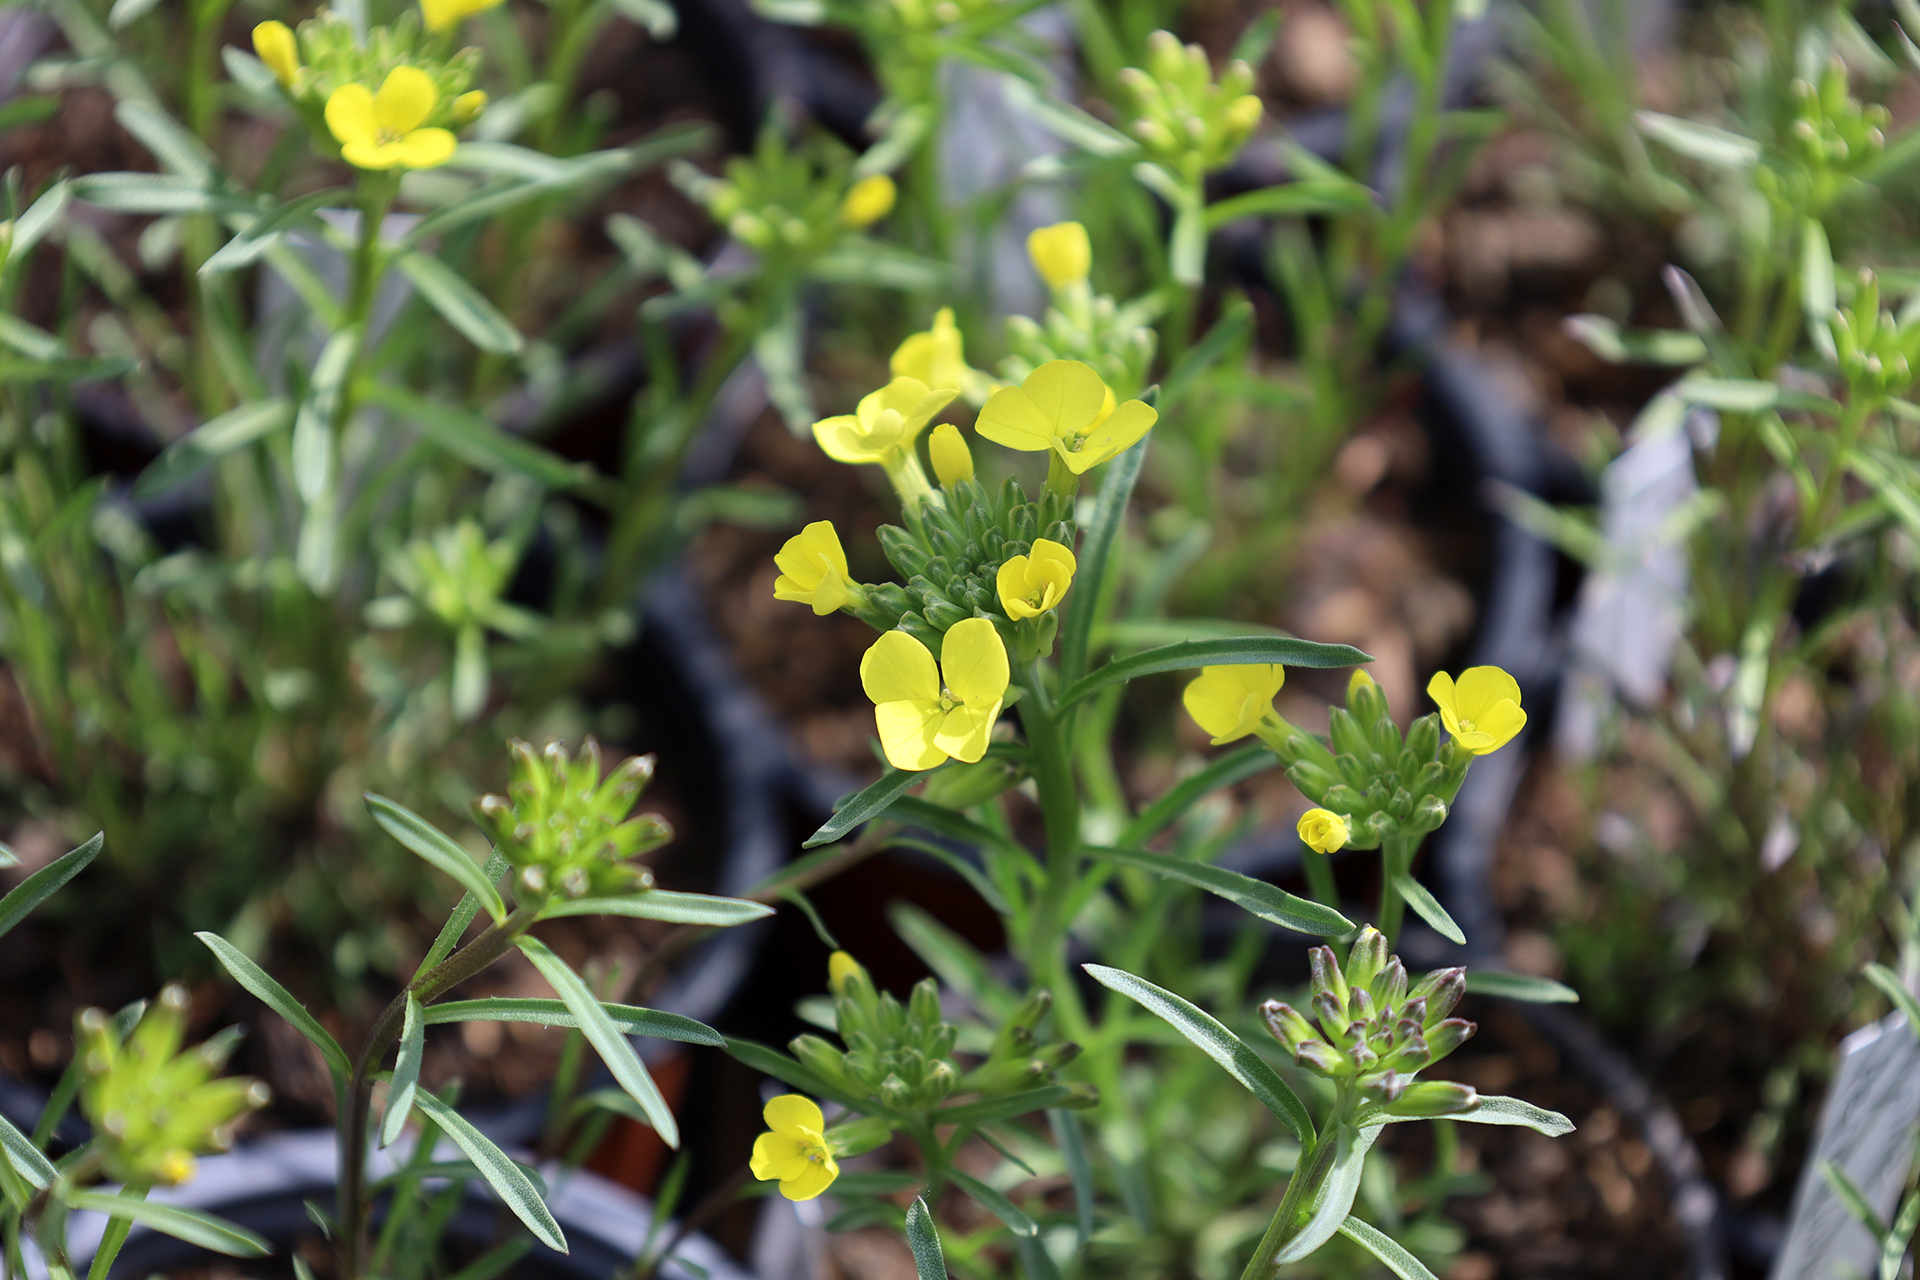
(1060, 815)
(1396, 858)
(352, 1205)
(1303, 1189)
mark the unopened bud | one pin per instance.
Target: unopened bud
(1431, 1098)
(1442, 990)
(952, 461)
(1445, 1036)
(1368, 957)
(1288, 1025)
(1319, 1056)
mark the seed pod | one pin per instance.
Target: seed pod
(1287, 1024)
(1432, 1098)
(1442, 990)
(1445, 1036)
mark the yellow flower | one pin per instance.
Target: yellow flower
(1324, 830)
(886, 422)
(841, 967)
(936, 357)
(441, 15)
(1229, 702)
(925, 715)
(868, 201)
(1061, 253)
(383, 131)
(274, 44)
(1034, 583)
(813, 570)
(1359, 680)
(952, 461)
(1059, 407)
(1482, 711)
(796, 1151)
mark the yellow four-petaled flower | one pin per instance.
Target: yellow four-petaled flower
(1061, 253)
(1034, 583)
(813, 570)
(383, 130)
(796, 1151)
(927, 714)
(884, 425)
(1324, 830)
(1064, 406)
(1229, 702)
(1482, 710)
(937, 357)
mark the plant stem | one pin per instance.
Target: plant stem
(1303, 1189)
(351, 1206)
(1060, 814)
(1396, 856)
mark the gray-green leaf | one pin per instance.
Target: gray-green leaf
(631, 1019)
(1214, 653)
(406, 1072)
(45, 882)
(928, 1262)
(281, 1001)
(1386, 1248)
(1254, 896)
(663, 904)
(509, 1181)
(1428, 908)
(600, 1032)
(995, 1203)
(438, 849)
(1520, 986)
(190, 1225)
(460, 304)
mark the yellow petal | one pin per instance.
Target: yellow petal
(441, 14)
(425, 148)
(965, 731)
(809, 553)
(275, 45)
(843, 439)
(868, 201)
(1047, 551)
(914, 358)
(1479, 688)
(817, 1177)
(898, 668)
(1061, 253)
(1228, 702)
(1011, 583)
(907, 730)
(924, 409)
(777, 1155)
(1011, 418)
(1121, 429)
(973, 659)
(1496, 725)
(1067, 393)
(792, 1112)
(1441, 690)
(350, 117)
(405, 100)
(1323, 830)
(370, 155)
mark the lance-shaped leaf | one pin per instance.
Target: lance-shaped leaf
(1228, 770)
(663, 904)
(1218, 1043)
(778, 1065)
(1067, 1135)
(1520, 986)
(1214, 653)
(1701, 142)
(436, 848)
(600, 1032)
(460, 304)
(461, 916)
(475, 440)
(629, 1019)
(45, 882)
(190, 1225)
(24, 1157)
(214, 439)
(995, 1203)
(406, 1072)
(1895, 990)
(869, 803)
(1254, 896)
(1496, 1109)
(281, 1001)
(988, 1110)
(1336, 1193)
(1384, 1247)
(509, 1181)
(1428, 908)
(928, 1262)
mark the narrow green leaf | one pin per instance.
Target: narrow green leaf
(943, 821)
(1072, 1142)
(214, 439)
(1734, 395)
(1337, 1194)
(45, 882)
(954, 960)
(1606, 339)
(25, 1158)
(460, 304)
(151, 193)
(113, 1239)
(1068, 123)
(1384, 1247)
(1203, 355)
(1520, 986)
(30, 340)
(251, 74)
(630, 1019)
(281, 1001)
(960, 867)
(1428, 908)
(267, 230)
(1817, 291)
(1895, 990)
(1256, 897)
(1888, 477)
(867, 804)
(1893, 1246)
(508, 1180)
(1096, 549)
(475, 440)
(461, 916)
(40, 217)
(1853, 1198)
(989, 1110)
(1495, 1109)
(1228, 770)
(1218, 1043)
(663, 904)
(169, 141)
(614, 1049)
(995, 1203)
(1292, 199)
(436, 848)
(772, 1062)
(190, 1225)
(1700, 142)
(928, 1262)
(1213, 653)
(406, 1072)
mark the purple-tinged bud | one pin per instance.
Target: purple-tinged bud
(1442, 990)
(1415, 1011)
(1360, 1008)
(1321, 1057)
(1413, 1053)
(1444, 1037)
(1432, 1098)
(1388, 1086)
(1333, 1019)
(1389, 986)
(1327, 978)
(1286, 1023)
(1363, 1055)
(1368, 957)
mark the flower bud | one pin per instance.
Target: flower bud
(868, 201)
(857, 1137)
(1324, 831)
(1333, 1018)
(468, 106)
(1389, 986)
(1061, 253)
(819, 1057)
(1433, 1098)
(1321, 1057)
(1446, 1036)
(1413, 1052)
(1080, 1096)
(1287, 1024)
(1327, 979)
(952, 461)
(1368, 957)
(1313, 781)
(1347, 736)
(273, 44)
(1441, 990)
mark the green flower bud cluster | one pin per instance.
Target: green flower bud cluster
(457, 576)
(566, 828)
(330, 57)
(1185, 119)
(1380, 782)
(780, 202)
(1115, 340)
(153, 1107)
(1374, 1032)
(1832, 137)
(1876, 351)
(951, 560)
(1020, 1060)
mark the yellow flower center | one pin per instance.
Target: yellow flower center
(1466, 726)
(947, 701)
